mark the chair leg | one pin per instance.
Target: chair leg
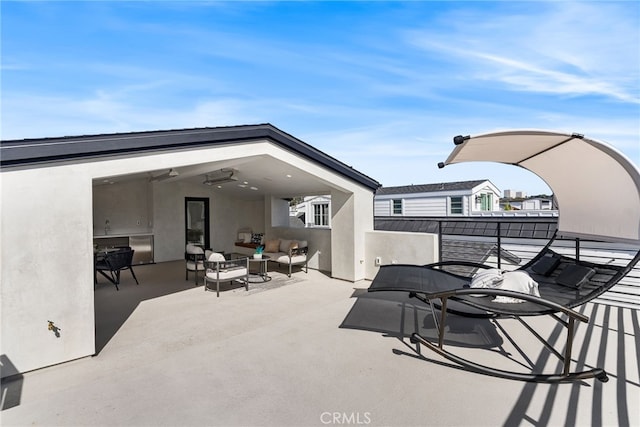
(116, 279)
(134, 275)
(218, 288)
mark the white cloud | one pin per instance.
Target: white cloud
(561, 47)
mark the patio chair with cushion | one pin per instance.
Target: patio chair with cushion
(194, 259)
(551, 283)
(109, 264)
(218, 269)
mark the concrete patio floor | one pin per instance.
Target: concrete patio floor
(171, 354)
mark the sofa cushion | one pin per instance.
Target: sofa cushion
(227, 274)
(284, 258)
(284, 245)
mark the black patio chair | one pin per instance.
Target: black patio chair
(564, 283)
(109, 264)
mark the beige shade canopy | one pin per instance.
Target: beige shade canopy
(596, 187)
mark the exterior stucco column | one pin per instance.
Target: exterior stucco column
(351, 218)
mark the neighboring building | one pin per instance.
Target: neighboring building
(532, 204)
(312, 211)
(463, 198)
(514, 194)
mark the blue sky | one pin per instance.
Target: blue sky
(382, 86)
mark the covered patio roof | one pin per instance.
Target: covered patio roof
(259, 170)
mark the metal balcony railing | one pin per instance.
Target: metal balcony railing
(510, 242)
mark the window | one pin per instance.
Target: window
(487, 202)
(455, 206)
(321, 214)
(397, 207)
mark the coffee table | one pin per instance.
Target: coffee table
(262, 267)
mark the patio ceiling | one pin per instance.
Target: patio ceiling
(256, 176)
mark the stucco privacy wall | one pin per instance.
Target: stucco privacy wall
(351, 216)
(47, 214)
(395, 247)
(47, 273)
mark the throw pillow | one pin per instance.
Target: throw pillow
(256, 238)
(272, 246)
(574, 275)
(284, 245)
(546, 265)
(293, 245)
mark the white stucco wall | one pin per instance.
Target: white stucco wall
(128, 206)
(351, 218)
(395, 247)
(47, 267)
(226, 216)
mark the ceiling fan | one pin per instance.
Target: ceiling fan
(221, 177)
(172, 173)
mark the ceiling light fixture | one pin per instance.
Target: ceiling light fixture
(172, 173)
(225, 175)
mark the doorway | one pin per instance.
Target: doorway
(196, 217)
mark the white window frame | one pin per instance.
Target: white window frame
(320, 215)
(393, 206)
(451, 205)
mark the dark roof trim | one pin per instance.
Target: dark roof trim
(430, 188)
(27, 152)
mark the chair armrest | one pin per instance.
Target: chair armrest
(227, 264)
(193, 257)
(297, 251)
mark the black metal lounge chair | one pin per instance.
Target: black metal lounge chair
(564, 283)
(110, 264)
